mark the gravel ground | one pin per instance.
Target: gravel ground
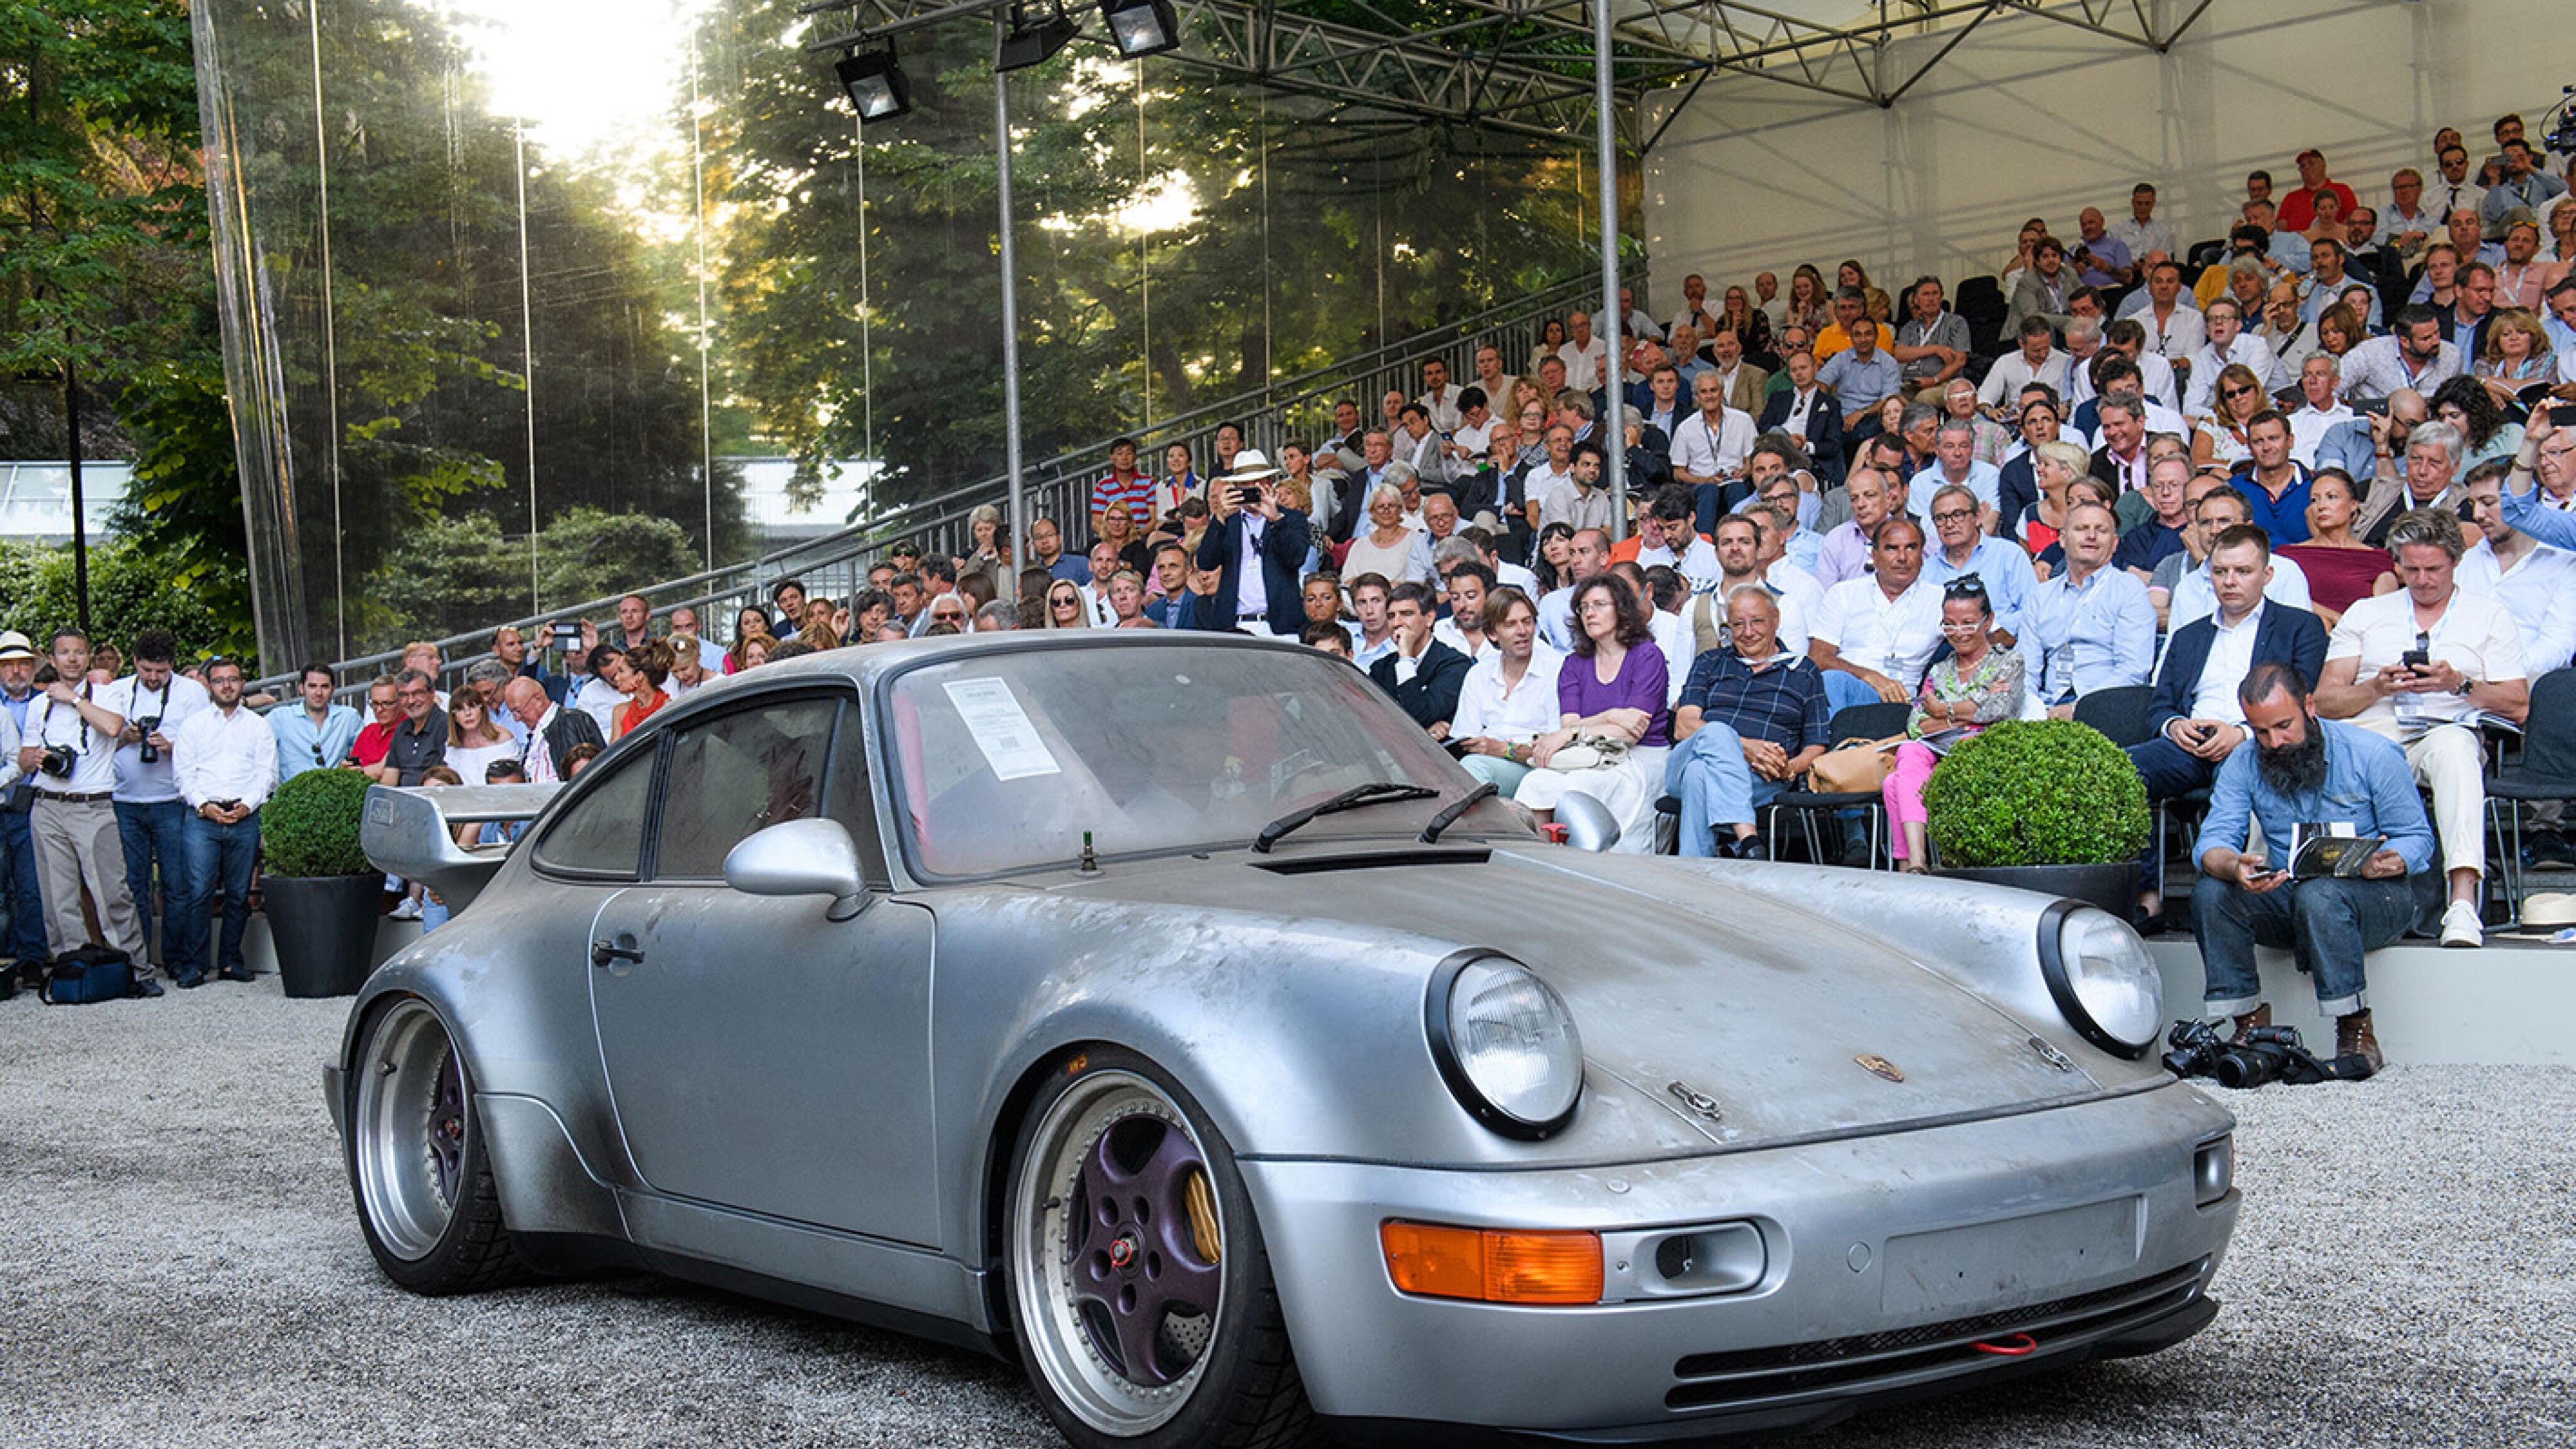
(182, 1267)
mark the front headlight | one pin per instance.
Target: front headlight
(1505, 1043)
(2102, 978)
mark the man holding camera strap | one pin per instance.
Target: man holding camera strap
(151, 820)
(70, 754)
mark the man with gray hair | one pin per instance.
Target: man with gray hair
(1955, 465)
(486, 677)
(2434, 455)
(1750, 719)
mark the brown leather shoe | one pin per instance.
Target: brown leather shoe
(2353, 1037)
(2261, 1015)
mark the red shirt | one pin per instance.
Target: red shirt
(631, 714)
(371, 745)
(2299, 208)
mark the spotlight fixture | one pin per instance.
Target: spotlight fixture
(1142, 27)
(876, 85)
(1028, 42)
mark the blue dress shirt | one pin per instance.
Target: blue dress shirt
(2368, 787)
(2100, 634)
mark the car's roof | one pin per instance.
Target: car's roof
(866, 663)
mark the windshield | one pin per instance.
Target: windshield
(1005, 761)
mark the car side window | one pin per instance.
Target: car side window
(603, 832)
(738, 773)
(850, 801)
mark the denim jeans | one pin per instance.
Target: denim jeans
(220, 857)
(2327, 924)
(158, 831)
(25, 938)
(1842, 691)
(1708, 773)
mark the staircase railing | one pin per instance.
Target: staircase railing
(836, 564)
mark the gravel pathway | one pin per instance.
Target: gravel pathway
(182, 1267)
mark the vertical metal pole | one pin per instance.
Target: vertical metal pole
(1010, 328)
(527, 352)
(1613, 360)
(80, 505)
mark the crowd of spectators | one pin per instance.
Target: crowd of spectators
(2325, 441)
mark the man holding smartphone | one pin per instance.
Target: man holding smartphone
(2306, 771)
(1258, 549)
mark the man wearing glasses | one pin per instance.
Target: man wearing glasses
(1963, 550)
(367, 751)
(313, 733)
(1749, 721)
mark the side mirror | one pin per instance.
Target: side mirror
(800, 858)
(1588, 823)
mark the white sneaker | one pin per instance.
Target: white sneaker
(2460, 926)
(409, 910)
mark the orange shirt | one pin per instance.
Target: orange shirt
(1832, 340)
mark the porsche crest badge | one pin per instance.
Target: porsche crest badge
(1878, 1066)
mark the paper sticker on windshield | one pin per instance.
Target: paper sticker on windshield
(1000, 728)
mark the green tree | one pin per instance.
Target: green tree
(455, 575)
(129, 587)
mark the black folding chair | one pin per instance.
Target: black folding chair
(2121, 715)
(1852, 722)
(1982, 305)
(2546, 771)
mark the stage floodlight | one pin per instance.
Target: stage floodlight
(876, 84)
(1142, 27)
(1029, 42)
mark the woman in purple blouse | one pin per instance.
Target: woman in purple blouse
(1611, 689)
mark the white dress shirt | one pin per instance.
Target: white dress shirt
(1895, 637)
(2308, 427)
(2192, 597)
(1714, 452)
(1520, 713)
(225, 756)
(1583, 365)
(2231, 657)
(2199, 400)
(2540, 593)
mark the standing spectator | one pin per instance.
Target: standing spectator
(684, 620)
(1257, 548)
(227, 766)
(74, 828)
(1977, 685)
(1421, 673)
(1614, 688)
(1046, 551)
(1123, 487)
(1749, 721)
(634, 626)
(25, 938)
(151, 823)
(2090, 626)
(553, 732)
(646, 668)
(312, 733)
(511, 648)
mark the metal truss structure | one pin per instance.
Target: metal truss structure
(1526, 66)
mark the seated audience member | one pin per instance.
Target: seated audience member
(2019, 488)
(1861, 376)
(1465, 585)
(1066, 608)
(1126, 594)
(1580, 501)
(2090, 626)
(1710, 443)
(1509, 698)
(2303, 770)
(2230, 344)
(2195, 714)
(419, 739)
(1613, 689)
(1873, 635)
(2434, 453)
(2042, 292)
(1844, 552)
(367, 748)
(1960, 549)
(1741, 564)
(1975, 685)
(2320, 409)
(1587, 552)
(2036, 362)
(1670, 537)
(474, 738)
(2410, 666)
(2412, 355)
(2274, 482)
(2222, 435)
(1955, 464)
(1805, 411)
(1372, 639)
(1423, 674)
(2158, 536)
(1331, 638)
(2121, 458)
(1750, 720)
(2180, 587)
(646, 668)
(1994, 440)
(1171, 587)
(2535, 583)
(999, 616)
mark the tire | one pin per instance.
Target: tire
(1129, 1334)
(424, 1188)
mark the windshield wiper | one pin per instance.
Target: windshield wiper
(1375, 792)
(1450, 812)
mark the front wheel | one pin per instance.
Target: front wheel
(1140, 1289)
(426, 1198)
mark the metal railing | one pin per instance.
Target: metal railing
(836, 564)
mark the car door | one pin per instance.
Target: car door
(760, 1054)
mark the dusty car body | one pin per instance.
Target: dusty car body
(946, 985)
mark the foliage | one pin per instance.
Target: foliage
(130, 590)
(2036, 792)
(458, 574)
(310, 826)
(185, 506)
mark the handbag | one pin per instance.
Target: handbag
(89, 974)
(1588, 752)
(1854, 767)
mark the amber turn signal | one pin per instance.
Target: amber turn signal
(1491, 1266)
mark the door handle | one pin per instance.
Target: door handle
(603, 951)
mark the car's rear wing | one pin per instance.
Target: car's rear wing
(411, 832)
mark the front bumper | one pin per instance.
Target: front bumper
(1889, 1260)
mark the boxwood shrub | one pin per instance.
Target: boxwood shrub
(2036, 792)
(310, 826)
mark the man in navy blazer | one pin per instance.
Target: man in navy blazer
(1276, 536)
(1822, 436)
(2194, 712)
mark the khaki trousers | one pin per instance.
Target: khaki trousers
(2450, 760)
(77, 845)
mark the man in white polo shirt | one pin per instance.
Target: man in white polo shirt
(1874, 635)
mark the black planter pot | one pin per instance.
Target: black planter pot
(325, 930)
(2113, 887)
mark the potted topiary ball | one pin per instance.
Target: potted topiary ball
(2045, 805)
(321, 893)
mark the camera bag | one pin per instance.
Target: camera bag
(91, 973)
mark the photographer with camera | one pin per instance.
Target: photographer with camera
(151, 821)
(71, 750)
(2306, 771)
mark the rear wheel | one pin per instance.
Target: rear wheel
(1140, 1289)
(426, 1198)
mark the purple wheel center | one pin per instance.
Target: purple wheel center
(1135, 1260)
(447, 1128)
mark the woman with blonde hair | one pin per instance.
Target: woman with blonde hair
(2516, 355)
(1388, 545)
(988, 549)
(1065, 606)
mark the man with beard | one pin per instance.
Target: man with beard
(2305, 771)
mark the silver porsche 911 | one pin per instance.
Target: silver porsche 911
(1170, 1012)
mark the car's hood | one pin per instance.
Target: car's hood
(1753, 1019)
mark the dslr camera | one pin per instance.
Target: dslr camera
(59, 761)
(147, 726)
